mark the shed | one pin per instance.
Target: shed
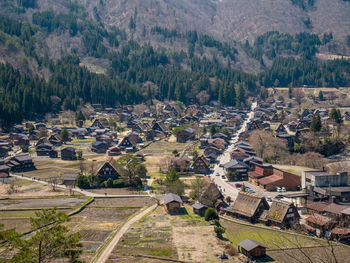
(252, 248)
(172, 203)
(199, 209)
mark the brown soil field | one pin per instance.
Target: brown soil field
(40, 203)
(122, 202)
(115, 191)
(107, 214)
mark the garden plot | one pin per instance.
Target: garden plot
(100, 218)
(184, 237)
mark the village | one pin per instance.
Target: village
(270, 177)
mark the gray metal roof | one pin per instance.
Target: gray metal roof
(234, 163)
(168, 198)
(198, 206)
(249, 244)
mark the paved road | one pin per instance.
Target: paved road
(108, 250)
(84, 192)
(226, 188)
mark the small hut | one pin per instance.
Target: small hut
(172, 203)
(252, 248)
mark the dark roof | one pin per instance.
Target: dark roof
(198, 206)
(253, 158)
(4, 167)
(235, 164)
(168, 198)
(250, 244)
(71, 149)
(22, 158)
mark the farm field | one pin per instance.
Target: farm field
(16, 213)
(163, 148)
(160, 236)
(101, 218)
(26, 188)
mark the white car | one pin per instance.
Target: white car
(279, 189)
(283, 189)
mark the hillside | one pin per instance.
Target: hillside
(114, 52)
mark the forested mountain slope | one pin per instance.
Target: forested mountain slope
(61, 54)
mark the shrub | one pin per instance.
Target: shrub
(83, 182)
(118, 183)
(210, 214)
(229, 249)
(219, 230)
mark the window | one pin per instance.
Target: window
(308, 180)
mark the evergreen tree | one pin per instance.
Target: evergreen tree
(320, 96)
(64, 135)
(316, 123)
(335, 115)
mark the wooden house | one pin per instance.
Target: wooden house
(68, 153)
(97, 125)
(248, 206)
(281, 129)
(158, 127)
(55, 140)
(172, 203)
(211, 196)
(46, 149)
(199, 209)
(114, 151)
(318, 224)
(236, 166)
(201, 165)
(127, 143)
(185, 135)
(251, 248)
(106, 170)
(282, 214)
(21, 163)
(99, 147)
(4, 171)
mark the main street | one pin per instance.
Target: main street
(218, 173)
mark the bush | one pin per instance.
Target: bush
(108, 183)
(229, 249)
(219, 230)
(83, 182)
(210, 214)
(119, 183)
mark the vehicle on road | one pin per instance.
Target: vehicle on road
(217, 174)
(238, 185)
(223, 177)
(283, 189)
(279, 189)
(278, 196)
(251, 191)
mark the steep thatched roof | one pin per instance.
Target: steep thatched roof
(210, 195)
(247, 204)
(277, 211)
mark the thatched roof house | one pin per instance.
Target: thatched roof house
(211, 196)
(249, 206)
(283, 214)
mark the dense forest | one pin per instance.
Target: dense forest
(140, 73)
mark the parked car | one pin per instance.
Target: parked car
(279, 189)
(217, 174)
(238, 185)
(223, 177)
(284, 189)
(251, 191)
(278, 196)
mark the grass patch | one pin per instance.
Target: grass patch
(273, 239)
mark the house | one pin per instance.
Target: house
(318, 224)
(172, 203)
(212, 150)
(99, 147)
(248, 206)
(114, 151)
(281, 129)
(69, 180)
(282, 214)
(252, 161)
(21, 163)
(4, 171)
(68, 153)
(55, 140)
(220, 135)
(236, 166)
(185, 135)
(106, 170)
(199, 209)
(201, 165)
(252, 248)
(101, 123)
(127, 143)
(180, 164)
(46, 149)
(159, 128)
(211, 196)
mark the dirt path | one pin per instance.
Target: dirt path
(108, 250)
